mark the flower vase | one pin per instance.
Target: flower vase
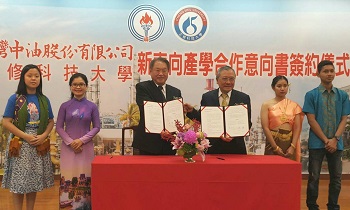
(189, 156)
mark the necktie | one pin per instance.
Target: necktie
(224, 99)
(161, 90)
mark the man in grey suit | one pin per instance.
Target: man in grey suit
(225, 95)
(155, 90)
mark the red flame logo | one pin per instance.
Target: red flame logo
(146, 20)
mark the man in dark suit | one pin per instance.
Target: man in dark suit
(225, 95)
(157, 91)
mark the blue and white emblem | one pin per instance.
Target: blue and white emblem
(190, 24)
(146, 23)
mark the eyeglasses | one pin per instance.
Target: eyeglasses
(78, 85)
(228, 79)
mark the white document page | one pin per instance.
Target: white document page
(236, 118)
(173, 110)
(212, 121)
(153, 117)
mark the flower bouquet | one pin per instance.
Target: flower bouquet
(188, 140)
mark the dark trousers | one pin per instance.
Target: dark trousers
(334, 161)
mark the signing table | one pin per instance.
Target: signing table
(221, 182)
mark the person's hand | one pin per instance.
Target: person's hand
(331, 145)
(165, 132)
(41, 138)
(187, 108)
(166, 135)
(76, 143)
(78, 150)
(37, 140)
(326, 142)
(279, 151)
(31, 139)
(226, 138)
(290, 151)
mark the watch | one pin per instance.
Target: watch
(337, 138)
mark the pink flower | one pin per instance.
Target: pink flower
(205, 143)
(190, 137)
(200, 147)
(177, 143)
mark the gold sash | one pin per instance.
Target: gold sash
(282, 136)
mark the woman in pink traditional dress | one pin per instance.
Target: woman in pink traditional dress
(281, 121)
(78, 121)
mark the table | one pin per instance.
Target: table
(221, 182)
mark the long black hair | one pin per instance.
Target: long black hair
(74, 76)
(22, 87)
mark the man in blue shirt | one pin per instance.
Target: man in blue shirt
(326, 108)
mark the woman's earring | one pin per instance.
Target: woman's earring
(289, 88)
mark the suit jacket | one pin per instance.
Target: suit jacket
(151, 142)
(237, 145)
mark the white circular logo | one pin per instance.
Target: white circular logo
(190, 24)
(146, 23)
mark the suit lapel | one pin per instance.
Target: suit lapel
(167, 92)
(216, 97)
(234, 100)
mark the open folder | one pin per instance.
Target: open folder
(162, 116)
(230, 120)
